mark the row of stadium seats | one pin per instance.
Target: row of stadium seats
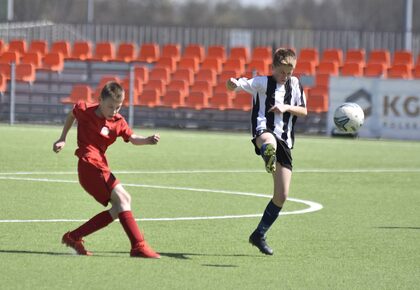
(332, 62)
(196, 99)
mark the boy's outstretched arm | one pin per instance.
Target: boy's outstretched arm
(140, 140)
(59, 144)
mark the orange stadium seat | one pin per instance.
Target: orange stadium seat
(158, 85)
(3, 83)
(167, 62)
(138, 86)
(173, 99)
(221, 101)
(209, 75)
(180, 85)
(183, 74)
(304, 67)
(212, 63)
(18, 45)
(403, 57)
(399, 71)
(334, 55)
(160, 73)
(10, 56)
(25, 72)
(308, 54)
(33, 58)
(82, 50)
(141, 73)
(327, 67)
(40, 46)
(149, 98)
(149, 52)
(194, 50)
(78, 93)
(62, 47)
(352, 69)
(380, 56)
(416, 71)
(3, 46)
(259, 66)
(375, 70)
(197, 100)
(217, 51)
(104, 51)
(172, 50)
(317, 100)
(126, 52)
(322, 80)
(262, 52)
(234, 64)
(53, 61)
(202, 86)
(191, 63)
(221, 88)
(242, 101)
(239, 52)
(356, 55)
(5, 70)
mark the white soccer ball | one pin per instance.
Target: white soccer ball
(349, 117)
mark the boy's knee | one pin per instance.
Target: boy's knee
(120, 197)
(266, 138)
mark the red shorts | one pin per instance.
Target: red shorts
(97, 179)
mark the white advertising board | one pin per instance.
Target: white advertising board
(391, 107)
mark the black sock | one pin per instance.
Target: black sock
(270, 215)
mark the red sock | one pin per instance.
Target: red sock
(130, 227)
(98, 222)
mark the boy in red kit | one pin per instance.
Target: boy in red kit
(98, 126)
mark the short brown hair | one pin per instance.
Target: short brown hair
(112, 90)
(285, 56)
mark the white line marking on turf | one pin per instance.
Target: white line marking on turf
(313, 206)
(206, 171)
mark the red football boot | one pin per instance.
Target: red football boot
(76, 245)
(143, 250)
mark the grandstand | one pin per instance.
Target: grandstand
(180, 83)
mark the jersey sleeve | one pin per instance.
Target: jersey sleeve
(124, 130)
(298, 94)
(78, 109)
(252, 86)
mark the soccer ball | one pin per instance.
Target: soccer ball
(349, 117)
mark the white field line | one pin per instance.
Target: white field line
(313, 206)
(207, 171)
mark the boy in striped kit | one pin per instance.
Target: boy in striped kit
(278, 100)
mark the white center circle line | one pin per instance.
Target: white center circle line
(313, 206)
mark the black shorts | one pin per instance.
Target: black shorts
(283, 152)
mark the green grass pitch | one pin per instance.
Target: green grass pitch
(366, 236)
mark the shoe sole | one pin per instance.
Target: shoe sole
(270, 153)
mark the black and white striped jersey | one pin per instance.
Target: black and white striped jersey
(266, 93)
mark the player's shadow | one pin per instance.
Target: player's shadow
(35, 252)
(399, 228)
(179, 256)
(186, 256)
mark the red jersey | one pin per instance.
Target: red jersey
(95, 134)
